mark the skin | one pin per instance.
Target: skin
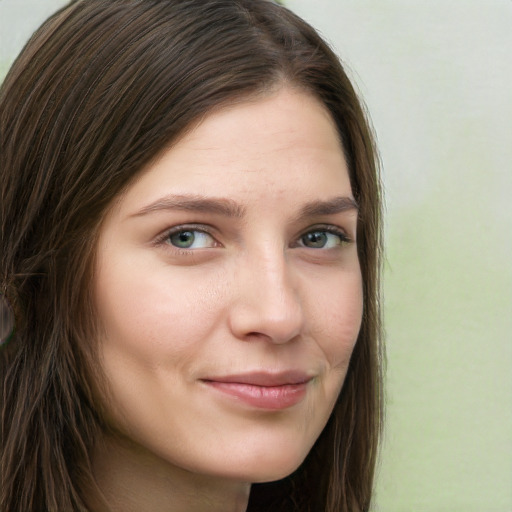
(252, 292)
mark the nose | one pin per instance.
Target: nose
(267, 302)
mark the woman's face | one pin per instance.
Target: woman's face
(229, 291)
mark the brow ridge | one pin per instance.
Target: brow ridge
(221, 206)
(230, 208)
(329, 207)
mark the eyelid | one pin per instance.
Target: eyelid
(162, 238)
(329, 228)
(202, 228)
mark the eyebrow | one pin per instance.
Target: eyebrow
(329, 207)
(220, 206)
(229, 208)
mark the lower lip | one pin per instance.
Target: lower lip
(263, 397)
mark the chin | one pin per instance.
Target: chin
(274, 475)
(268, 467)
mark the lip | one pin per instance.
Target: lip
(271, 391)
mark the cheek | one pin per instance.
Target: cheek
(339, 314)
(151, 315)
(150, 339)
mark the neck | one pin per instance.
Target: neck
(131, 479)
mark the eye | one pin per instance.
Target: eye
(190, 239)
(324, 239)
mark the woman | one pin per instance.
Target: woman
(191, 244)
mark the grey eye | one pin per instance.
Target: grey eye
(323, 239)
(191, 239)
(315, 239)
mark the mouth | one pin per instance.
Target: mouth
(271, 391)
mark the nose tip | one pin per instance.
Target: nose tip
(267, 307)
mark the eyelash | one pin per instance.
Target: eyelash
(165, 236)
(163, 239)
(333, 230)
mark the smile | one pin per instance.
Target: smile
(263, 390)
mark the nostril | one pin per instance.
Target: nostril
(266, 322)
(266, 301)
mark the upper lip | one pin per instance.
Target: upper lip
(264, 379)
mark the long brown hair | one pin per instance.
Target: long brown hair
(99, 90)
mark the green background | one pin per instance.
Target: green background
(436, 77)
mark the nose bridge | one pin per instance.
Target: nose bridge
(269, 303)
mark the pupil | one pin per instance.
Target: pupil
(184, 239)
(316, 239)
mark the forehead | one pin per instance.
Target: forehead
(286, 143)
